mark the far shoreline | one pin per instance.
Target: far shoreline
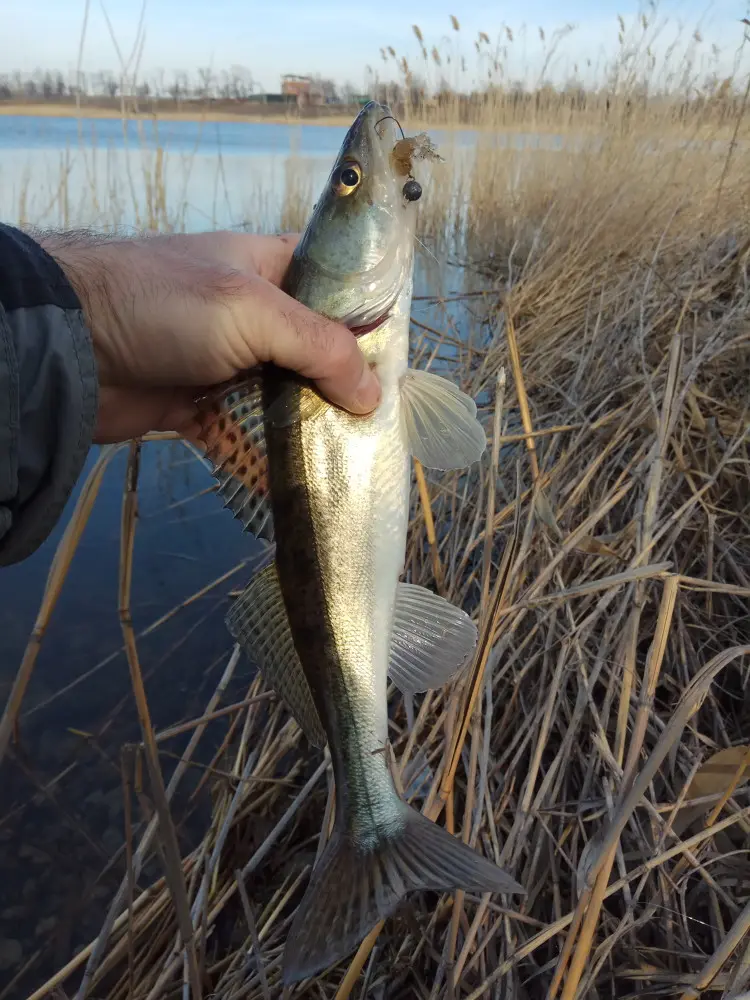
(207, 116)
(199, 114)
(42, 110)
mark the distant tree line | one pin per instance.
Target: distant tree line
(234, 84)
(716, 99)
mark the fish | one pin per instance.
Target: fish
(330, 620)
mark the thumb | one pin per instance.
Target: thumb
(277, 328)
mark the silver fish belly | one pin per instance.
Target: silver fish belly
(357, 471)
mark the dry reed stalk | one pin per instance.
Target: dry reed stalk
(174, 873)
(424, 496)
(248, 911)
(492, 491)
(523, 399)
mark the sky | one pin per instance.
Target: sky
(341, 38)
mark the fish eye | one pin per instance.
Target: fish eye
(412, 190)
(350, 177)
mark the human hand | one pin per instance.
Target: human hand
(171, 312)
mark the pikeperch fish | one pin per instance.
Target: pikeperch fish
(329, 622)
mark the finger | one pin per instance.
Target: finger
(271, 255)
(267, 256)
(127, 413)
(277, 328)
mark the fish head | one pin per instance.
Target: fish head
(357, 250)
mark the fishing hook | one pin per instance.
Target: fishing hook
(412, 188)
(385, 119)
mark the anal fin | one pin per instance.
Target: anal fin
(440, 421)
(259, 623)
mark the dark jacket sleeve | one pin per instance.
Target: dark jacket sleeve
(48, 393)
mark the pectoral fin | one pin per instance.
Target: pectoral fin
(231, 420)
(258, 622)
(440, 422)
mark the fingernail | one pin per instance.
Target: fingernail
(367, 393)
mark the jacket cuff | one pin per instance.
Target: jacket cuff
(48, 393)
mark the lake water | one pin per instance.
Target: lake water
(61, 800)
(59, 171)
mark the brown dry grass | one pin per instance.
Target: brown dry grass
(603, 547)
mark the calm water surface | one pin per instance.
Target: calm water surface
(181, 174)
(59, 171)
(60, 797)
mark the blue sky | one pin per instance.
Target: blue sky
(339, 38)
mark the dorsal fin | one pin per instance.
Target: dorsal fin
(231, 421)
(258, 622)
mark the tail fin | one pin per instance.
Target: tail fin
(353, 887)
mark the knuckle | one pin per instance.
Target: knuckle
(229, 283)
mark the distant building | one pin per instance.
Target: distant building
(306, 90)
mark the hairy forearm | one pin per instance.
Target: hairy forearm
(141, 296)
(97, 266)
(79, 252)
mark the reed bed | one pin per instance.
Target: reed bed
(597, 745)
(649, 72)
